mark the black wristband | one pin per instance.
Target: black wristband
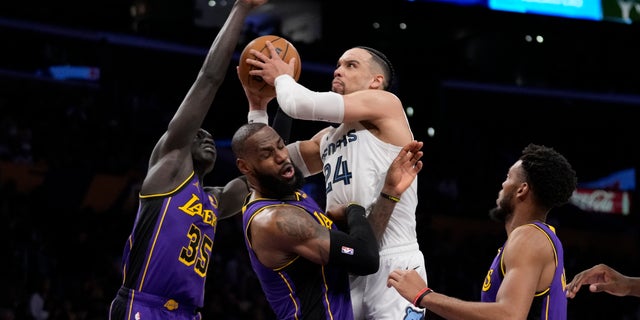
(389, 197)
(421, 295)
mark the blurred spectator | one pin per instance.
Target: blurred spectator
(38, 300)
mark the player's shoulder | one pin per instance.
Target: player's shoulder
(526, 230)
(281, 211)
(389, 97)
(277, 219)
(528, 235)
(384, 96)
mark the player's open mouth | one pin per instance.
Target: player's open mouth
(287, 171)
(208, 147)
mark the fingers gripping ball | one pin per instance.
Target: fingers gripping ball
(285, 50)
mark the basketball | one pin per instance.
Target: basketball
(285, 50)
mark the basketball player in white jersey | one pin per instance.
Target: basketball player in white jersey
(354, 158)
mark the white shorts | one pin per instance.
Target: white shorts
(370, 297)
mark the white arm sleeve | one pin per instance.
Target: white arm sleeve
(301, 103)
(296, 158)
(260, 116)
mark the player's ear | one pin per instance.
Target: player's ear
(242, 166)
(377, 83)
(523, 189)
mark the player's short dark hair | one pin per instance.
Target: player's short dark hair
(382, 60)
(241, 135)
(549, 174)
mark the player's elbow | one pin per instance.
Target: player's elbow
(369, 263)
(357, 255)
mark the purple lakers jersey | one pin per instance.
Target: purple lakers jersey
(300, 289)
(550, 304)
(169, 251)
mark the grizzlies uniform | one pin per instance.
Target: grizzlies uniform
(355, 166)
(550, 304)
(167, 255)
(300, 289)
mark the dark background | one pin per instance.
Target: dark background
(74, 151)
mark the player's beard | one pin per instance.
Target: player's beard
(503, 210)
(275, 187)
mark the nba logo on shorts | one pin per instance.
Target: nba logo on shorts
(347, 250)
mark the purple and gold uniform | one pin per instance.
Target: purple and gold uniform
(300, 289)
(550, 304)
(167, 255)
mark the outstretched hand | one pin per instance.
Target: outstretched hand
(269, 68)
(404, 168)
(600, 278)
(407, 282)
(257, 101)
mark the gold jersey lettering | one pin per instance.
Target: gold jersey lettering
(213, 200)
(487, 281)
(323, 219)
(209, 218)
(193, 206)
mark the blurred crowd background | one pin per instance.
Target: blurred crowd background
(86, 91)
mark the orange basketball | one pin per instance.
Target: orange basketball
(285, 50)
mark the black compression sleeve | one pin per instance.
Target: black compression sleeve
(356, 251)
(282, 125)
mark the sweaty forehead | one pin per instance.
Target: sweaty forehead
(516, 169)
(357, 54)
(264, 137)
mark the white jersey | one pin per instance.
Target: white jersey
(355, 167)
(355, 164)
